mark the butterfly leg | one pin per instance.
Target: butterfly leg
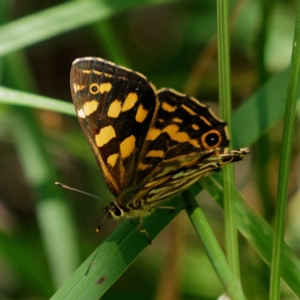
(143, 230)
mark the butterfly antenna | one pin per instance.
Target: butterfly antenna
(99, 226)
(80, 191)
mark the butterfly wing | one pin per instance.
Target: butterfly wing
(115, 107)
(185, 143)
(162, 187)
(183, 129)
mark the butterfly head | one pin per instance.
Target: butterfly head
(114, 210)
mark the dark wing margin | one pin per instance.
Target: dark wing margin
(115, 107)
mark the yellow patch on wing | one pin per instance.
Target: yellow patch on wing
(112, 159)
(105, 135)
(177, 120)
(127, 146)
(78, 87)
(190, 111)
(141, 114)
(108, 75)
(142, 167)
(155, 153)
(171, 129)
(90, 107)
(205, 121)
(182, 137)
(86, 71)
(105, 87)
(195, 127)
(167, 107)
(96, 72)
(114, 109)
(130, 101)
(152, 134)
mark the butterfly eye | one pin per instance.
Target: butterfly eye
(94, 88)
(118, 212)
(211, 139)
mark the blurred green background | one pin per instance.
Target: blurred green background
(173, 43)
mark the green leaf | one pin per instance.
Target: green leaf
(60, 19)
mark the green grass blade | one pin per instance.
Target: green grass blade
(259, 112)
(59, 19)
(259, 233)
(232, 251)
(105, 265)
(52, 212)
(285, 163)
(213, 250)
(14, 97)
(112, 44)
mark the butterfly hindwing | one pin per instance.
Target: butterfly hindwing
(185, 143)
(115, 107)
(183, 129)
(173, 183)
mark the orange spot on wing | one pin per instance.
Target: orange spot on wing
(195, 127)
(167, 107)
(141, 114)
(155, 153)
(143, 167)
(130, 101)
(112, 159)
(177, 120)
(90, 107)
(105, 87)
(205, 121)
(190, 111)
(182, 137)
(153, 134)
(127, 146)
(171, 129)
(105, 135)
(114, 109)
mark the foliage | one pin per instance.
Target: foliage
(46, 234)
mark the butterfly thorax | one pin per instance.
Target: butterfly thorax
(117, 211)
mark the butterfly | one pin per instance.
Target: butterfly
(149, 144)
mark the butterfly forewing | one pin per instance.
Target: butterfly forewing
(115, 107)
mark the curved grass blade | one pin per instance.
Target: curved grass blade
(59, 19)
(106, 264)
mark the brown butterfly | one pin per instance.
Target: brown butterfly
(150, 145)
